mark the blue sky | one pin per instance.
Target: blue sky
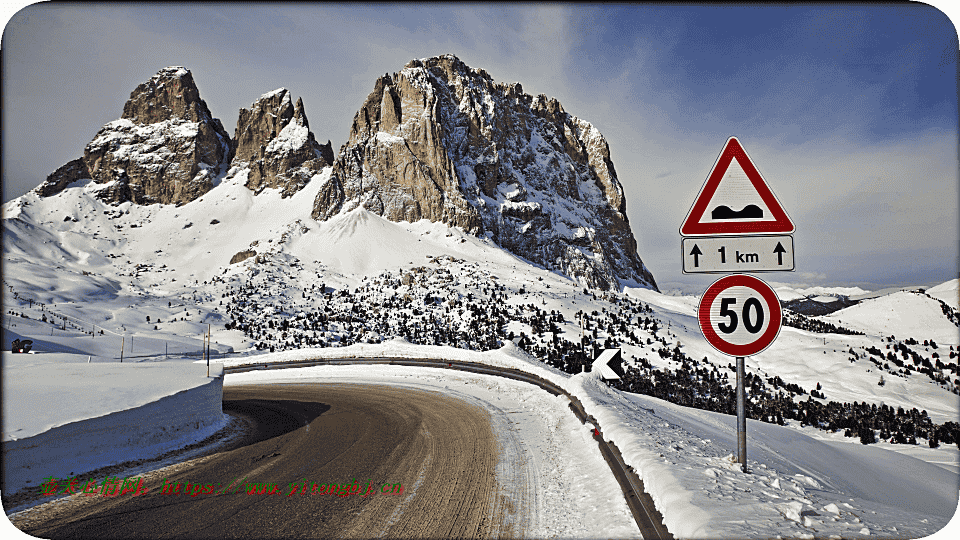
(849, 112)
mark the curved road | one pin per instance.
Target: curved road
(440, 450)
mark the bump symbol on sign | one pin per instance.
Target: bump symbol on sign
(735, 182)
(750, 211)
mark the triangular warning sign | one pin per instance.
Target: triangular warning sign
(735, 199)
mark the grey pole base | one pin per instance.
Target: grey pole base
(741, 416)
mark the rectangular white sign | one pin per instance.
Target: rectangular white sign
(736, 254)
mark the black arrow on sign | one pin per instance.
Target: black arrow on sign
(696, 256)
(779, 251)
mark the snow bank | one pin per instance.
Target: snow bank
(102, 414)
(685, 458)
(508, 356)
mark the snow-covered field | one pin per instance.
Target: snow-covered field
(152, 278)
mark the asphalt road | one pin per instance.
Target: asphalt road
(440, 450)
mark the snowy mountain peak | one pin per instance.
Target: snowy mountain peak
(437, 140)
(166, 147)
(441, 141)
(171, 93)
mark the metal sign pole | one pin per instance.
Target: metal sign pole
(206, 348)
(741, 416)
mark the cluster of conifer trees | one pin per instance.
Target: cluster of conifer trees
(703, 386)
(430, 311)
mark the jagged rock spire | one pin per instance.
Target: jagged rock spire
(441, 141)
(169, 94)
(275, 145)
(166, 147)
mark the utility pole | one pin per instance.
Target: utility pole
(122, 339)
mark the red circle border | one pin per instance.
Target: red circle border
(768, 294)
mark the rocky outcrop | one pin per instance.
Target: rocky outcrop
(402, 171)
(436, 140)
(63, 177)
(166, 147)
(444, 142)
(171, 94)
(275, 145)
(242, 256)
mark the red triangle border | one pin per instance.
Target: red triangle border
(733, 150)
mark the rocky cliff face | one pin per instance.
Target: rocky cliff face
(165, 148)
(444, 142)
(63, 177)
(275, 145)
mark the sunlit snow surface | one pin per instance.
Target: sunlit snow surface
(901, 314)
(949, 292)
(116, 265)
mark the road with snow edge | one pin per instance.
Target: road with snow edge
(485, 511)
(439, 450)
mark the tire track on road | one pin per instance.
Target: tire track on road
(641, 505)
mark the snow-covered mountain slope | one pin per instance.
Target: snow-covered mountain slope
(810, 359)
(901, 314)
(133, 260)
(112, 265)
(360, 279)
(948, 291)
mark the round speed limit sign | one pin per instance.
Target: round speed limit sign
(740, 315)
